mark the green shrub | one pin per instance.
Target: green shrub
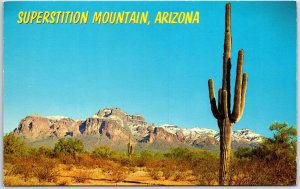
(14, 145)
(45, 151)
(243, 152)
(194, 157)
(177, 153)
(281, 146)
(272, 162)
(143, 157)
(68, 146)
(102, 152)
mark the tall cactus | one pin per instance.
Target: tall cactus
(129, 147)
(226, 118)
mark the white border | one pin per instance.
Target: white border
(143, 187)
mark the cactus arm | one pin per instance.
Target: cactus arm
(238, 88)
(224, 103)
(212, 99)
(131, 149)
(228, 86)
(243, 95)
(220, 101)
(128, 149)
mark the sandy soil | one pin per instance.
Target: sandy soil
(70, 175)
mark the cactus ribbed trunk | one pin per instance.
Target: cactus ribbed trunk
(227, 118)
(225, 147)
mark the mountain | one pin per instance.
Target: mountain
(112, 127)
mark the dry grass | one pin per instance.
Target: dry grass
(24, 168)
(168, 172)
(45, 170)
(34, 171)
(66, 159)
(206, 172)
(81, 176)
(68, 167)
(179, 176)
(154, 173)
(88, 161)
(254, 172)
(243, 173)
(63, 183)
(118, 173)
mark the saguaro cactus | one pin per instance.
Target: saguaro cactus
(226, 118)
(129, 148)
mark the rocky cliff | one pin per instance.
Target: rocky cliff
(112, 126)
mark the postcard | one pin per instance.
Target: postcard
(189, 93)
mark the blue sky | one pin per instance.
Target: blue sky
(159, 71)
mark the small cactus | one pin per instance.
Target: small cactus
(129, 148)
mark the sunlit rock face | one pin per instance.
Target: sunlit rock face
(114, 126)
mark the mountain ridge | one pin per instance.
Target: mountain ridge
(113, 127)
